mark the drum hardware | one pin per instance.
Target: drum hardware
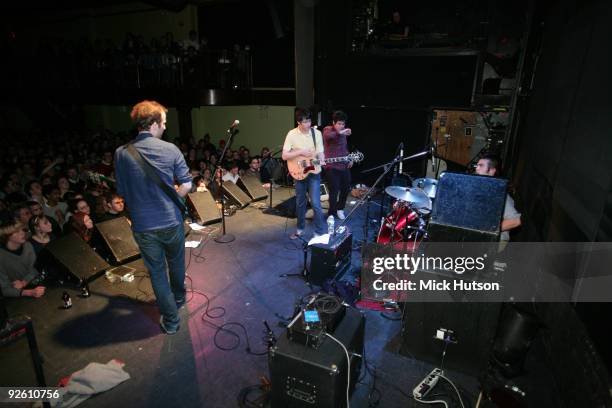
(428, 185)
(415, 196)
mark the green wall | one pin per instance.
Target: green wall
(260, 125)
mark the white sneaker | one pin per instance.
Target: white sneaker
(340, 214)
(298, 233)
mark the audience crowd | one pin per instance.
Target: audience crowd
(63, 182)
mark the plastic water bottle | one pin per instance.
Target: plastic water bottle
(330, 225)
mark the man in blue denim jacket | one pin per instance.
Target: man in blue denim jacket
(157, 222)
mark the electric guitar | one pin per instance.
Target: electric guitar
(300, 167)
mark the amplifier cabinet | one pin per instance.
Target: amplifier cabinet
(332, 259)
(306, 377)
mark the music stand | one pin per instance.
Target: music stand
(270, 209)
(305, 273)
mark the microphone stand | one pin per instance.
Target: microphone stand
(368, 194)
(387, 168)
(305, 273)
(224, 238)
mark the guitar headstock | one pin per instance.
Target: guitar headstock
(356, 156)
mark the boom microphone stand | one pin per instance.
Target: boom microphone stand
(305, 273)
(367, 196)
(224, 238)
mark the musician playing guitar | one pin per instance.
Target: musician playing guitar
(304, 143)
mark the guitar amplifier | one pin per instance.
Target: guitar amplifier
(467, 208)
(306, 377)
(332, 259)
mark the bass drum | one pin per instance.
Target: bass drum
(401, 225)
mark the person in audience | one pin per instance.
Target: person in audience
(64, 186)
(53, 207)
(82, 206)
(11, 191)
(35, 191)
(17, 258)
(253, 170)
(207, 176)
(37, 210)
(199, 184)
(245, 159)
(77, 205)
(105, 166)
(82, 225)
(214, 186)
(22, 213)
(76, 184)
(232, 175)
(114, 206)
(41, 232)
(397, 29)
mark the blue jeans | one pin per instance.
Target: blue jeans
(312, 185)
(158, 248)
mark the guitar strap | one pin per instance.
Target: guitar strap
(151, 173)
(314, 140)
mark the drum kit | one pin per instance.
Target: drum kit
(409, 213)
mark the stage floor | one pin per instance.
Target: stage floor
(234, 282)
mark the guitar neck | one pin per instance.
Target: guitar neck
(337, 159)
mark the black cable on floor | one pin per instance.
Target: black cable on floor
(259, 402)
(216, 313)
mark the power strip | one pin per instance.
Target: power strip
(427, 384)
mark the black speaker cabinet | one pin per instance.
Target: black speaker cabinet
(116, 234)
(235, 195)
(306, 377)
(77, 257)
(252, 186)
(203, 207)
(331, 260)
(287, 208)
(474, 325)
(467, 208)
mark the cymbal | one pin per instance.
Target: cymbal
(413, 195)
(428, 185)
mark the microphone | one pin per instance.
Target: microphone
(234, 125)
(433, 156)
(401, 146)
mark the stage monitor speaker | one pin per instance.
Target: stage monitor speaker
(252, 186)
(332, 260)
(287, 208)
(467, 208)
(303, 376)
(118, 240)
(235, 195)
(474, 325)
(203, 207)
(77, 257)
